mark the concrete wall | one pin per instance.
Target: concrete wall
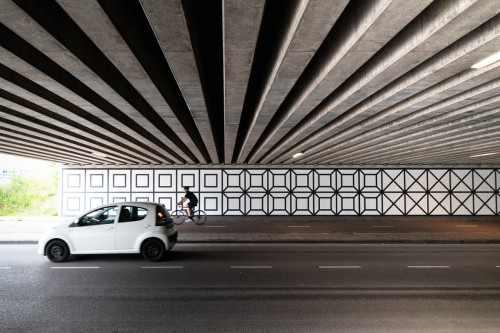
(292, 191)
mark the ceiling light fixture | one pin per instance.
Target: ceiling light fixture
(487, 61)
(297, 155)
(486, 154)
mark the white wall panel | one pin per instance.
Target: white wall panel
(142, 181)
(211, 181)
(211, 203)
(72, 203)
(96, 181)
(233, 203)
(143, 197)
(168, 199)
(73, 181)
(279, 181)
(256, 203)
(165, 181)
(188, 178)
(233, 180)
(279, 203)
(119, 181)
(325, 181)
(118, 197)
(325, 203)
(95, 200)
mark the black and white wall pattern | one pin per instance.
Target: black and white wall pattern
(291, 191)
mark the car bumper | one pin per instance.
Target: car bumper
(172, 239)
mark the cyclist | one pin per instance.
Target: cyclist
(193, 201)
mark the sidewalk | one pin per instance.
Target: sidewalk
(254, 229)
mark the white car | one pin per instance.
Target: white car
(126, 227)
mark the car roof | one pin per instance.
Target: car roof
(126, 203)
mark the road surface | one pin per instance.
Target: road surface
(256, 288)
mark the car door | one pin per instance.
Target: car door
(95, 231)
(133, 223)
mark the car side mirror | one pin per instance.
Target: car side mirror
(76, 222)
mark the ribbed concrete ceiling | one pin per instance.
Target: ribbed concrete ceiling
(348, 83)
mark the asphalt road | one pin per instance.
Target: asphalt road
(256, 288)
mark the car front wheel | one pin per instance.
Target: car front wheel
(57, 251)
(153, 250)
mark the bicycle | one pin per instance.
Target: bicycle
(179, 215)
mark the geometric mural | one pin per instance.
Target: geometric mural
(291, 191)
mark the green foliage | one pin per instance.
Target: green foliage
(34, 195)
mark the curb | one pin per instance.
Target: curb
(340, 241)
(218, 241)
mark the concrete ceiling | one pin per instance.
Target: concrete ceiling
(240, 82)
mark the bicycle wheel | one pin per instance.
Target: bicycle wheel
(199, 217)
(178, 216)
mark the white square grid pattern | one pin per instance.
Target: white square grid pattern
(72, 203)
(96, 181)
(188, 178)
(291, 191)
(119, 181)
(73, 181)
(142, 181)
(168, 199)
(165, 181)
(210, 181)
(211, 203)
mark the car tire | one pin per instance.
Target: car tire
(153, 250)
(57, 251)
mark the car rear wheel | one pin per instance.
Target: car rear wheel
(153, 250)
(57, 251)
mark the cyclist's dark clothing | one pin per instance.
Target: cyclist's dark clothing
(193, 200)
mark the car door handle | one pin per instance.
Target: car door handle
(110, 228)
(147, 226)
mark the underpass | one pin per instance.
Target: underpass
(346, 154)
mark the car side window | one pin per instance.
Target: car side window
(104, 215)
(132, 214)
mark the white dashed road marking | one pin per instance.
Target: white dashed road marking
(467, 225)
(428, 266)
(76, 267)
(382, 226)
(251, 267)
(339, 267)
(162, 267)
(299, 226)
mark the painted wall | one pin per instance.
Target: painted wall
(291, 191)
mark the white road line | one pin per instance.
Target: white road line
(497, 266)
(428, 266)
(382, 226)
(215, 226)
(162, 267)
(339, 267)
(467, 225)
(299, 226)
(251, 267)
(76, 267)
